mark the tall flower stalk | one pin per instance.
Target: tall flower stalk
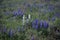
(23, 20)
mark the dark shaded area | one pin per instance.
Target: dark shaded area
(1, 1)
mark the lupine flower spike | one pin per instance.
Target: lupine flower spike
(41, 24)
(53, 18)
(29, 16)
(10, 33)
(18, 29)
(4, 29)
(32, 38)
(23, 19)
(45, 24)
(35, 24)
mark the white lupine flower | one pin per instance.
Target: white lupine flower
(29, 16)
(23, 19)
(27, 20)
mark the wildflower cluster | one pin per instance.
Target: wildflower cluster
(18, 12)
(29, 19)
(39, 24)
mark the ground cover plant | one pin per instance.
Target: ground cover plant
(29, 20)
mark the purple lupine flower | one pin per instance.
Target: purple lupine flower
(11, 5)
(57, 30)
(53, 18)
(50, 7)
(7, 13)
(36, 27)
(18, 29)
(35, 5)
(24, 3)
(18, 12)
(58, 6)
(28, 5)
(44, 11)
(35, 24)
(57, 14)
(2, 6)
(41, 24)
(45, 24)
(49, 18)
(47, 0)
(15, 13)
(1, 27)
(10, 33)
(22, 28)
(4, 29)
(41, 5)
(32, 38)
(31, 10)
